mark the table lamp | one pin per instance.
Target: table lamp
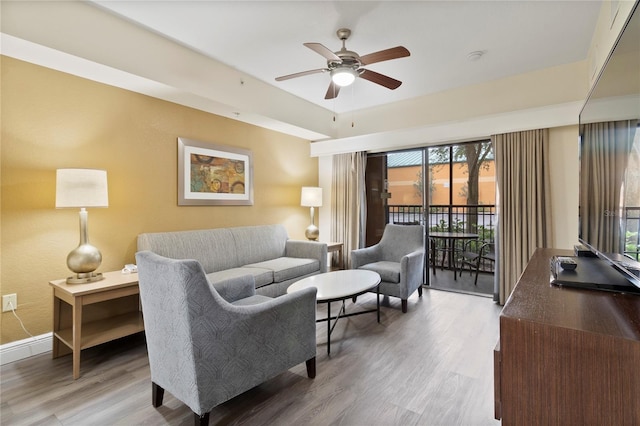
(311, 197)
(82, 188)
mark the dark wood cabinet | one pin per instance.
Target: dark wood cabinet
(567, 356)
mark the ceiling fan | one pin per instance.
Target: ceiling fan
(345, 65)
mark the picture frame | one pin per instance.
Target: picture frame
(210, 174)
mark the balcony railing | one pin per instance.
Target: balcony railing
(632, 234)
(477, 219)
(482, 219)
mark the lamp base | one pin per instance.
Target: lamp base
(312, 232)
(84, 278)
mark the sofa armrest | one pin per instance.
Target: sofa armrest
(363, 256)
(236, 288)
(307, 250)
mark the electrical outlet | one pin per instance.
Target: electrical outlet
(9, 300)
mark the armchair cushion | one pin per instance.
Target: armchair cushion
(388, 271)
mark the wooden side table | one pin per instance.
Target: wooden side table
(331, 247)
(112, 311)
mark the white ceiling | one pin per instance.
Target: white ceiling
(264, 39)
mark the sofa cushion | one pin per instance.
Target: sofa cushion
(285, 268)
(213, 248)
(260, 275)
(258, 243)
(388, 271)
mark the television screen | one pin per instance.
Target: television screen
(609, 223)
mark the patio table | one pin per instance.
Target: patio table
(449, 246)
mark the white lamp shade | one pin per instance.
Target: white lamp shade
(81, 188)
(343, 76)
(311, 197)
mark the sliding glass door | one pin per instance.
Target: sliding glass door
(449, 189)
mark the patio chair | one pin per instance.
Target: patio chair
(485, 253)
(207, 345)
(398, 258)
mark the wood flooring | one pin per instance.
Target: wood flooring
(430, 366)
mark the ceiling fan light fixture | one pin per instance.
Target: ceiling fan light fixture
(343, 76)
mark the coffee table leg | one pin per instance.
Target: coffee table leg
(378, 301)
(328, 328)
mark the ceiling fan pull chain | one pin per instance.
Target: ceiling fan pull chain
(352, 105)
(334, 109)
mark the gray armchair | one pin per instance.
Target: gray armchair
(398, 258)
(207, 345)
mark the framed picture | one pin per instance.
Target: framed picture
(210, 175)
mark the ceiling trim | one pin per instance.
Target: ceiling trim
(88, 33)
(27, 51)
(477, 128)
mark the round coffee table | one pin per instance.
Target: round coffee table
(339, 286)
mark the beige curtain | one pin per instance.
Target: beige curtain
(348, 205)
(604, 154)
(524, 210)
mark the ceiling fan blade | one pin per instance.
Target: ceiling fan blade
(319, 48)
(381, 79)
(384, 55)
(300, 74)
(332, 91)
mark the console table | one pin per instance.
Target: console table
(333, 247)
(86, 315)
(565, 355)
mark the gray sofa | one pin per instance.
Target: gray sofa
(264, 252)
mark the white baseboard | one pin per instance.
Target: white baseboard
(26, 348)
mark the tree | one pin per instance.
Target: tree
(475, 156)
(418, 185)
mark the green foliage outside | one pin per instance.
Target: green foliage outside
(631, 244)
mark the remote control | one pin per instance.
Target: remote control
(567, 263)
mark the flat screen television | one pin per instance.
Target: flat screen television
(609, 200)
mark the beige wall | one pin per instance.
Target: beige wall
(402, 184)
(53, 120)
